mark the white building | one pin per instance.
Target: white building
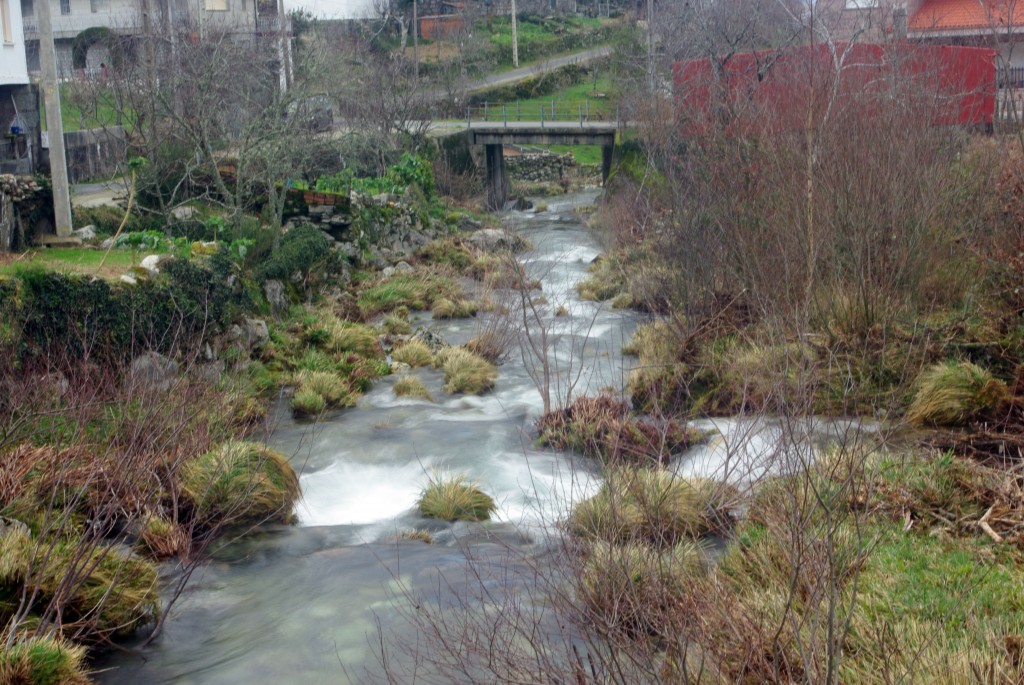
(19, 101)
(130, 17)
(13, 65)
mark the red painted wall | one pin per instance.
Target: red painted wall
(791, 89)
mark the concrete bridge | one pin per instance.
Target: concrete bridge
(494, 136)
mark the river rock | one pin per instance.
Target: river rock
(128, 279)
(400, 367)
(184, 213)
(430, 339)
(155, 370)
(255, 333)
(210, 371)
(151, 263)
(404, 267)
(86, 233)
(274, 292)
(468, 224)
(495, 239)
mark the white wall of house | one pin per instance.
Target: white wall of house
(71, 17)
(13, 66)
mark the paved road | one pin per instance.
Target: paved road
(522, 73)
(96, 194)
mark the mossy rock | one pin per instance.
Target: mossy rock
(241, 483)
(43, 661)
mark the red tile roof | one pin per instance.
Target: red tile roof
(971, 15)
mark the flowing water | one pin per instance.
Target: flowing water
(305, 604)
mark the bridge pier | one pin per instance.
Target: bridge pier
(497, 182)
(492, 137)
(606, 162)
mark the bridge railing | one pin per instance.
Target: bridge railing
(555, 112)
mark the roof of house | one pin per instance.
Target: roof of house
(966, 15)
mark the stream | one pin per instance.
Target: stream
(305, 604)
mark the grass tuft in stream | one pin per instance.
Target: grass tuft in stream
(455, 498)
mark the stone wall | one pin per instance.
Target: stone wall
(380, 230)
(538, 166)
(21, 201)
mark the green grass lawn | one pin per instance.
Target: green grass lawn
(82, 107)
(596, 100)
(543, 37)
(83, 260)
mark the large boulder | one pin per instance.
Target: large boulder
(497, 239)
(154, 370)
(276, 296)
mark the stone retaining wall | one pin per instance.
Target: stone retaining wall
(545, 167)
(21, 199)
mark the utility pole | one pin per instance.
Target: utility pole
(650, 45)
(515, 38)
(416, 38)
(54, 126)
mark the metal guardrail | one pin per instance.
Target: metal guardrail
(581, 112)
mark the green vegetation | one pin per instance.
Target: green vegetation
(454, 498)
(43, 661)
(416, 291)
(413, 352)
(652, 506)
(410, 386)
(954, 394)
(444, 308)
(241, 483)
(465, 372)
(592, 100)
(316, 391)
(543, 37)
(605, 428)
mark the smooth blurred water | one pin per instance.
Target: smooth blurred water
(302, 604)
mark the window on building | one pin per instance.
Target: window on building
(65, 6)
(28, 8)
(216, 5)
(98, 5)
(5, 21)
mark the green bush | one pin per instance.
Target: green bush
(303, 250)
(63, 316)
(455, 499)
(240, 483)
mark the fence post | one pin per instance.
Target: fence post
(504, 115)
(581, 116)
(553, 109)
(469, 116)
(485, 111)
(618, 120)
(517, 111)
(587, 103)
(542, 116)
